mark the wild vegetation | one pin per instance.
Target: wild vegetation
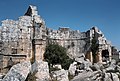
(56, 54)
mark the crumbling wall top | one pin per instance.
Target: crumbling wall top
(32, 11)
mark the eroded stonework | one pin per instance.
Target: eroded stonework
(18, 72)
(27, 37)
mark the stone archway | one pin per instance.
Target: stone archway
(105, 55)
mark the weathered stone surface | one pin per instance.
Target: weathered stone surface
(97, 66)
(1, 76)
(42, 70)
(112, 66)
(107, 77)
(118, 68)
(111, 77)
(87, 76)
(72, 68)
(115, 77)
(80, 65)
(87, 64)
(80, 58)
(18, 72)
(60, 75)
(58, 66)
(99, 73)
(118, 63)
(113, 62)
(18, 34)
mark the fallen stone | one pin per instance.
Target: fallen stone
(95, 67)
(1, 76)
(113, 61)
(60, 75)
(81, 66)
(87, 65)
(80, 60)
(118, 63)
(87, 76)
(115, 77)
(58, 66)
(111, 68)
(42, 70)
(107, 77)
(18, 72)
(118, 68)
(72, 68)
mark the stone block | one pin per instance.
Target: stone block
(42, 70)
(18, 72)
(60, 75)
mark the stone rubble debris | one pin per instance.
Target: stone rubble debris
(100, 72)
(18, 72)
(60, 75)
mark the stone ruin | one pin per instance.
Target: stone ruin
(27, 37)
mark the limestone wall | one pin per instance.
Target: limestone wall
(70, 39)
(28, 35)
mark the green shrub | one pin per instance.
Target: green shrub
(56, 54)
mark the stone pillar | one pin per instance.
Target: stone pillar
(42, 52)
(38, 52)
(110, 53)
(99, 57)
(89, 56)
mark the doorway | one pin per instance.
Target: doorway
(105, 55)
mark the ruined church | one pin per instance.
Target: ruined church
(27, 37)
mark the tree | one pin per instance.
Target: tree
(56, 54)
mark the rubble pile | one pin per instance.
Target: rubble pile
(80, 70)
(96, 71)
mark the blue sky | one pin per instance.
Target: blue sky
(76, 14)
